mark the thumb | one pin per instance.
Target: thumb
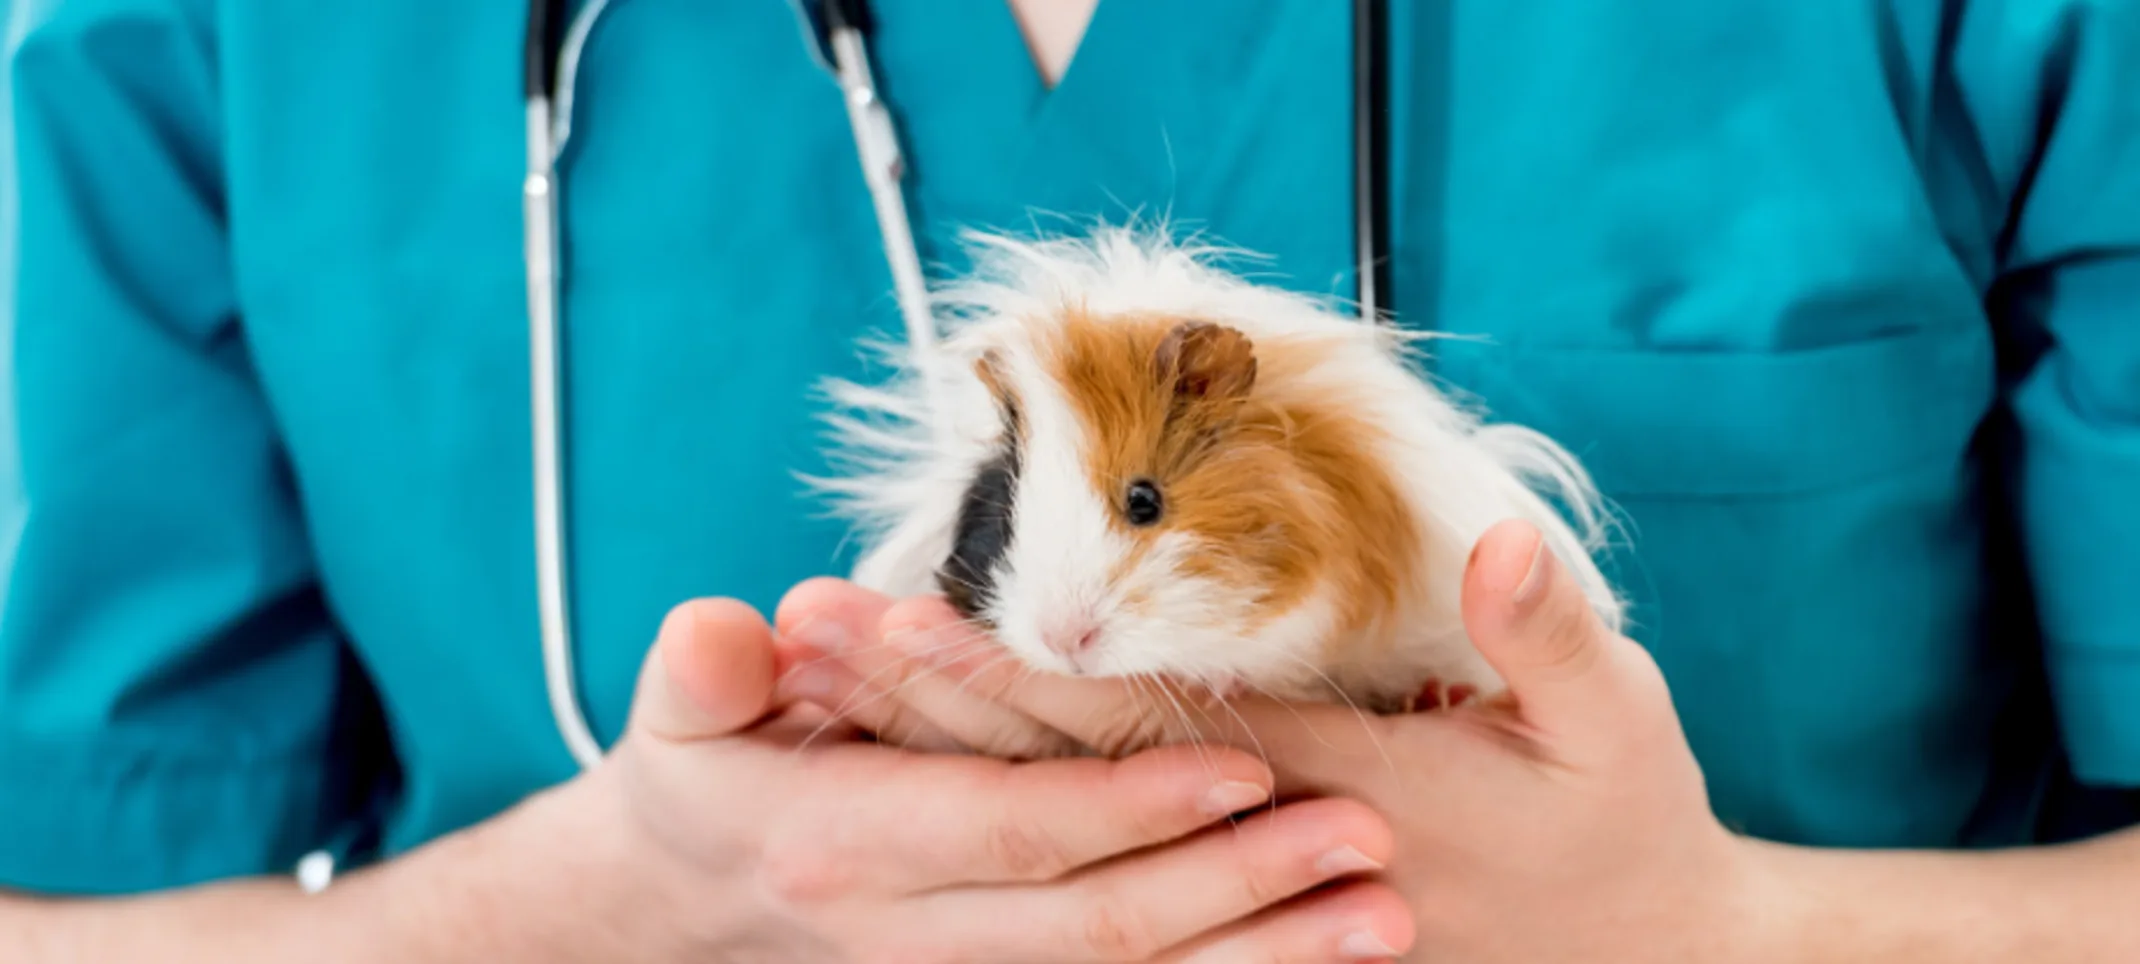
(1531, 621)
(709, 674)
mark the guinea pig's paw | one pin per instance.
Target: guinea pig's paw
(1434, 695)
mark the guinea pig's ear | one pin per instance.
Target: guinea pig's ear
(1206, 362)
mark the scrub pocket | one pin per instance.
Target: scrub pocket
(1802, 544)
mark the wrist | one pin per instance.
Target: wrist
(1828, 906)
(546, 882)
(1778, 909)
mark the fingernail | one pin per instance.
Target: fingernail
(1534, 579)
(824, 635)
(1345, 860)
(1365, 946)
(1233, 797)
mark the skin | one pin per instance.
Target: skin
(1053, 30)
(840, 849)
(1566, 822)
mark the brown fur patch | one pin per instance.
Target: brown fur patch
(1279, 485)
(989, 369)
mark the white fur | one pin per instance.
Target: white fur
(1055, 574)
(903, 483)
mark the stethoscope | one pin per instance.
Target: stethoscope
(551, 59)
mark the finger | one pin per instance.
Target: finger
(1113, 717)
(1141, 906)
(826, 615)
(1313, 747)
(844, 664)
(828, 683)
(1360, 921)
(709, 674)
(928, 822)
(1532, 622)
(807, 724)
(909, 684)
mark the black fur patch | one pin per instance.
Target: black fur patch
(982, 534)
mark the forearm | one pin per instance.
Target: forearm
(2045, 905)
(503, 890)
(240, 922)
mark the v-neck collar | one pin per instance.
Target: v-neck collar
(1156, 94)
(1003, 56)
(1053, 35)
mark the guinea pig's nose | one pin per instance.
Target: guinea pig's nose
(1073, 639)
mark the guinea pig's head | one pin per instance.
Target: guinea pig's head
(1155, 505)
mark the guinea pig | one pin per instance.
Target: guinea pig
(1142, 464)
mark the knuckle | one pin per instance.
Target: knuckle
(1565, 645)
(1128, 734)
(802, 874)
(1112, 932)
(1026, 854)
(1262, 886)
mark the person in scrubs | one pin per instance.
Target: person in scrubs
(1839, 301)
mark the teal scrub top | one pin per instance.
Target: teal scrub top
(1839, 300)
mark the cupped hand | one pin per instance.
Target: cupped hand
(1564, 820)
(750, 828)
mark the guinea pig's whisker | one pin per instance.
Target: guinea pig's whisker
(950, 648)
(975, 633)
(973, 628)
(829, 722)
(868, 650)
(1253, 741)
(1199, 735)
(861, 699)
(871, 681)
(1290, 708)
(993, 662)
(1185, 702)
(1189, 729)
(874, 691)
(1358, 714)
(896, 644)
(1142, 686)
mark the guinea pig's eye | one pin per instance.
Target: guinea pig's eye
(1142, 504)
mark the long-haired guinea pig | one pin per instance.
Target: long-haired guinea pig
(1144, 465)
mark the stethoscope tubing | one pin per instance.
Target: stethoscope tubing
(546, 381)
(550, 55)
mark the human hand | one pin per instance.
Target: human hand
(1566, 820)
(743, 828)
